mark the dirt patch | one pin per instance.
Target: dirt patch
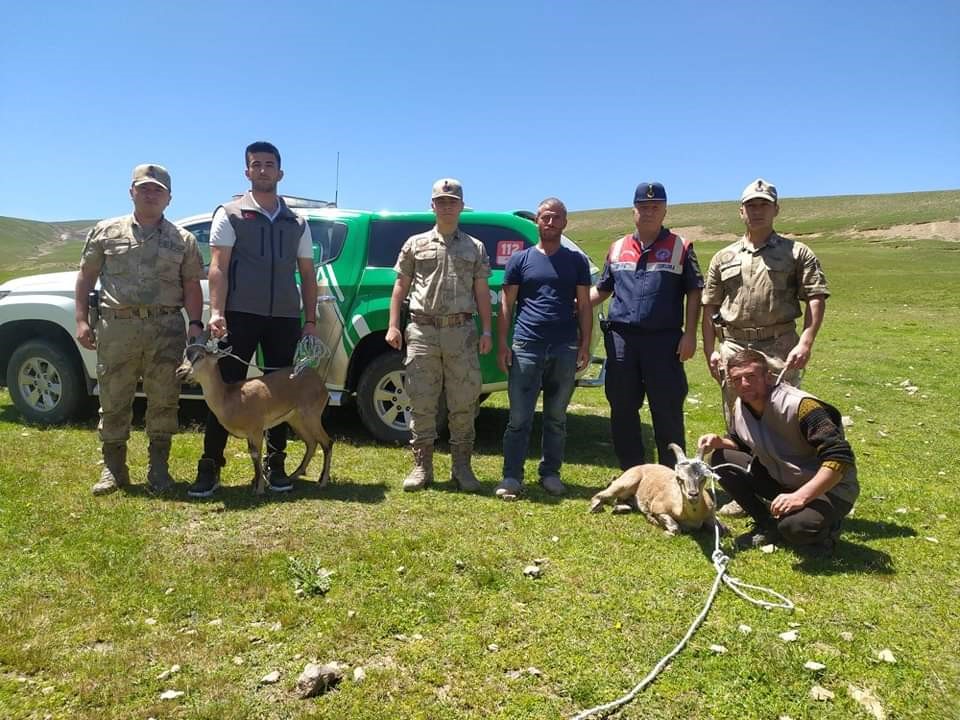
(698, 233)
(948, 230)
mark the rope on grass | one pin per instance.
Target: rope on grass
(720, 562)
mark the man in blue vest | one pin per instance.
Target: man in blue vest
(651, 329)
(257, 244)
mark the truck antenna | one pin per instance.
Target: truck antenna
(336, 190)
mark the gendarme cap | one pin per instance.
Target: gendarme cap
(647, 191)
(149, 173)
(759, 188)
(447, 187)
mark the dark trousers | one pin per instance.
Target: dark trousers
(814, 523)
(643, 366)
(278, 337)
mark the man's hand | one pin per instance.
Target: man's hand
(713, 364)
(309, 328)
(85, 335)
(504, 357)
(710, 441)
(394, 338)
(799, 356)
(193, 332)
(217, 325)
(583, 357)
(787, 503)
(687, 346)
(485, 344)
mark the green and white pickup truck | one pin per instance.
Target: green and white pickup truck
(51, 378)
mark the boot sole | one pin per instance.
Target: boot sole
(202, 493)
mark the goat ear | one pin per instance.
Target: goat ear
(678, 451)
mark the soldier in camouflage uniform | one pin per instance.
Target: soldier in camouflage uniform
(445, 272)
(149, 271)
(754, 288)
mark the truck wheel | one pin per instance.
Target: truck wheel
(383, 403)
(45, 384)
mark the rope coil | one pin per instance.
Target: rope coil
(720, 561)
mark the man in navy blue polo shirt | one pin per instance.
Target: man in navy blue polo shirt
(551, 341)
(656, 284)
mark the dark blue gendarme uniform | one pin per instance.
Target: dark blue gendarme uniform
(649, 287)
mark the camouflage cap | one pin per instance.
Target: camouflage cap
(150, 173)
(647, 191)
(447, 187)
(759, 188)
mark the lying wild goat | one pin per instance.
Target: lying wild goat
(248, 408)
(674, 499)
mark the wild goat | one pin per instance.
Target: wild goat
(248, 408)
(673, 499)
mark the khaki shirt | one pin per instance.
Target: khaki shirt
(141, 267)
(442, 271)
(760, 287)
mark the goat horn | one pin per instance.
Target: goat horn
(678, 451)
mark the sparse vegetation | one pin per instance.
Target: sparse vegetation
(103, 595)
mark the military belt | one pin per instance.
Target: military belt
(139, 311)
(441, 321)
(761, 333)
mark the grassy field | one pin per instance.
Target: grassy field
(102, 595)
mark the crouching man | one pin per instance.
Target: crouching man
(802, 479)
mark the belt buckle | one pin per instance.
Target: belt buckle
(443, 321)
(142, 312)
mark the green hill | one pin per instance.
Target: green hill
(31, 247)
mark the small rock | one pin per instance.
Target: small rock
(171, 694)
(793, 624)
(351, 614)
(150, 621)
(401, 637)
(359, 674)
(718, 649)
(270, 678)
(493, 647)
(883, 434)
(536, 672)
(533, 571)
(745, 629)
(401, 570)
(901, 511)
(514, 674)
(237, 660)
(814, 665)
(820, 694)
(887, 657)
(846, 635)
(768, 548)
(168, 591)
(172, 670)
(868, 701)
(941, 516)
(539, 561)
(277, 626)
(48, 690)
(215, 622)
(416, 636)
(460, 564)
(318, 679)
(555, 539)
(931, 540)
(846, 421)
(789, 636)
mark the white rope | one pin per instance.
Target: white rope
(720, 561)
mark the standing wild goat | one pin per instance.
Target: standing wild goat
(248, 408)
(674, 499)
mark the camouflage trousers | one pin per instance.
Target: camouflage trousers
(129, 350)
(776, 349)
(442, 360)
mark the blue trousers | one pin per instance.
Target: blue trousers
(639, 366)
(536, 366)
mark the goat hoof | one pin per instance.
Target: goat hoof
(622, 509)
(596, 506)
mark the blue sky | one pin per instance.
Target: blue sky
(520, 100)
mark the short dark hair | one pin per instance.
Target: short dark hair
(261, 146)
(551, 201)
(748, 356)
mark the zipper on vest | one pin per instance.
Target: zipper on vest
(232, 275)
(262, 243)
(272, 271)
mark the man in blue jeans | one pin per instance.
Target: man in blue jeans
(543, 282)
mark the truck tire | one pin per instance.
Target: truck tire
(383, 403)
(45, 383)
